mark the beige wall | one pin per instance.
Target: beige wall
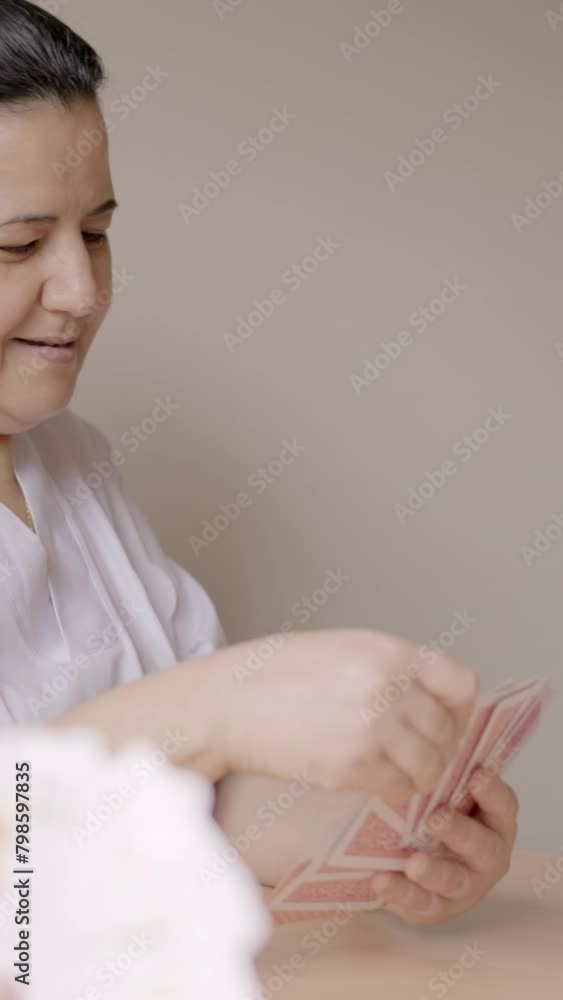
(323, 175)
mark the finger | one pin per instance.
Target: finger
(480, 848)
(415, 756)
(431, 719)
(392, 786)
(498, 804)
(455, 685)
(403, 897)
(441, 876)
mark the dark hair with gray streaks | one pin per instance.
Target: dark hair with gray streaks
(42, 59)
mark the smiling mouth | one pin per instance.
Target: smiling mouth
(46, 343)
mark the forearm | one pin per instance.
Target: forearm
(188, 700)
(232, 722)
(275, 824)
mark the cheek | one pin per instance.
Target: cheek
(103, 274)
(102, 265)
(18, 299)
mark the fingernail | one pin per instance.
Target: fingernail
(380, 882)
(416, 866)
(478, 779)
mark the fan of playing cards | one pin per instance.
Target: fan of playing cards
(381, 837)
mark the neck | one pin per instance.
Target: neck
(6, 460)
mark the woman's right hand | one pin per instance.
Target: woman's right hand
(350, 709)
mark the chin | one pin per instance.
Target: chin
(46, 402)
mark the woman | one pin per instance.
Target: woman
(99, 626)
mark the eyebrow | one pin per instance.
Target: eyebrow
(108, 206)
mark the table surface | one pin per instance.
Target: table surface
(515, 936)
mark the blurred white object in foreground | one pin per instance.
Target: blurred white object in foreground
(119, 909)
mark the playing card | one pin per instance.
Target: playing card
(283, 914)
(520, 729)
(374, 840)
(507, 711)
(293, 875)
(382, 838)
(424, 805)
(506, 714)
(420, 805)
(511, 742)
(512, 695)
(315, 890)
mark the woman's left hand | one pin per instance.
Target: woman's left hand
(479, 847)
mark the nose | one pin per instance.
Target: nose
(70, 284)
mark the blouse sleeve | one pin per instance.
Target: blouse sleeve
(194, 622)
(184, 607)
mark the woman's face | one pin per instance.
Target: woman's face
(55, 267)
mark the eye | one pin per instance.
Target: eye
(95, 239)
(20, 251)
(92, 239)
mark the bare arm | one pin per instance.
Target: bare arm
(275, 824)
(187, 700)
(305, 723)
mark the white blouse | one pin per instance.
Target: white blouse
(90, 601)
